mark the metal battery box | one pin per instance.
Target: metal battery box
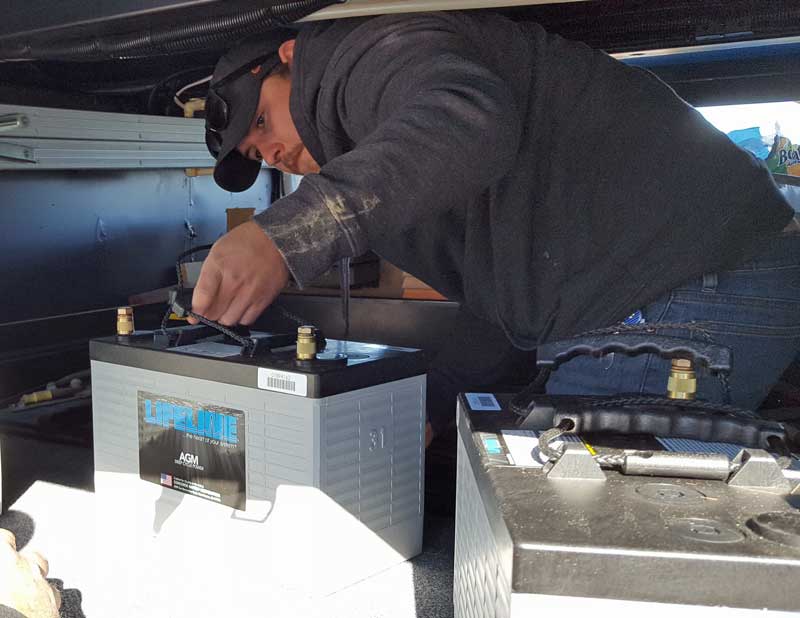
(622, 545)
(227, 485)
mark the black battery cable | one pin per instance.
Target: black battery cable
(180, 304)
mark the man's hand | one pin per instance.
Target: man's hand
(241, 276)
(428, 434)
(23, 586)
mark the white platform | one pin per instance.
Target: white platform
(61, 523)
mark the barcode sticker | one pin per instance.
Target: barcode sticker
(481, 402)
(283, 382)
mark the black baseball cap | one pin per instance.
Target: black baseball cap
(232, 101)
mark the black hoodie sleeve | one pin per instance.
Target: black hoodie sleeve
(428, 127)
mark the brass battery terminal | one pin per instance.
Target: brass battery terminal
(125, 326)
(306, 342)
(682, 383)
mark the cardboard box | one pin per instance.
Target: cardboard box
(237, 216)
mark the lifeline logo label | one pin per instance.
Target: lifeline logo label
(193, 448)
(198, 422)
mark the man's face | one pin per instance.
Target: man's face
(272, 136)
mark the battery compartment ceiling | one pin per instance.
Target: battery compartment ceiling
(112, 55)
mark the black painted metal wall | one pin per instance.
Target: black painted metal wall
(76, 244)
(77, 241)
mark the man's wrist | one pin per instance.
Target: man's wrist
(306, 234)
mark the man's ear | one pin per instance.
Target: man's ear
(286, 52)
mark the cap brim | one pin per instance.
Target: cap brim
(236, 173)
(233, 172)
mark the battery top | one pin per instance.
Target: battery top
(342, 366)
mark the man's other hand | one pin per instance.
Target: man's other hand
(241, 276)
(23, 586)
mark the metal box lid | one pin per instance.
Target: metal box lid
(629, 537)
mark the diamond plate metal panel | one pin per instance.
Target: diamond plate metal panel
(481, 590)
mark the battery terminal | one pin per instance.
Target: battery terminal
(682, 383)
(306, 342)
(125, 321)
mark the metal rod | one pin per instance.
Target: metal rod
(13, 121)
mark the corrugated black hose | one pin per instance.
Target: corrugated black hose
(200, 33)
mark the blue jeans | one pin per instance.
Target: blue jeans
(753, 309)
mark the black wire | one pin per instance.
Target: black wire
(203, 70)
(186, 254)
(291, 316)
(165, 319)
(521, 401)
(779, 446)
(183, 256)
(247, 344)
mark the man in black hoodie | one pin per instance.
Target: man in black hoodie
(547, 187)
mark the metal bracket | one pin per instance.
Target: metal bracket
(575, 463)
(759, 470)
(10, 122)
(16, 152)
